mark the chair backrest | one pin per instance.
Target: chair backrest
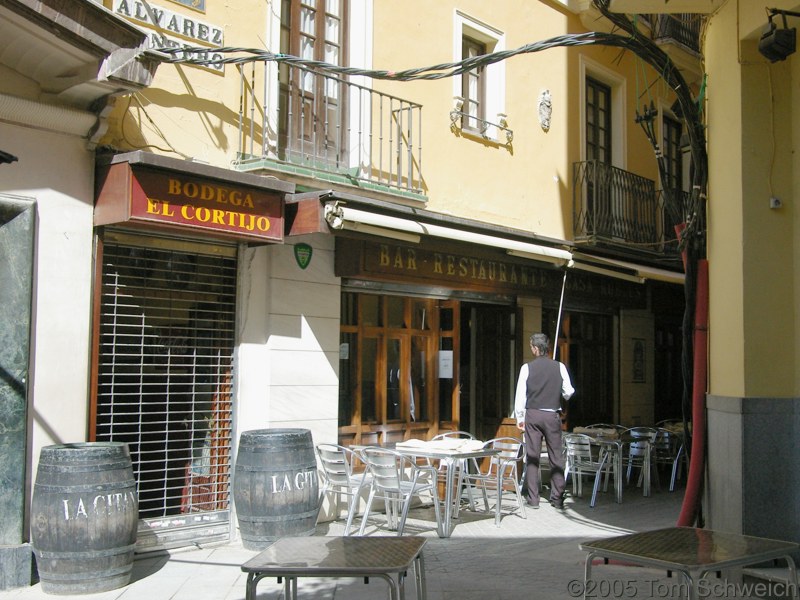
(511, 451)
(648, 433)
(578, 448)
(465, 435)
(510, 448)
(337, 464)
(388, 468)
(666, 443)
(638, 448)
(605, 426)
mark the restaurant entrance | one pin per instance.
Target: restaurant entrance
(489, 348)
(414, 367)
(585, 345)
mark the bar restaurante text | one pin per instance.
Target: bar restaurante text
(434, 265)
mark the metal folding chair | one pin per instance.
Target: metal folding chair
(339, 478)
(587, 457)
(499, 470)
(397, 479)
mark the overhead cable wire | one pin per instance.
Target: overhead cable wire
(205, 56)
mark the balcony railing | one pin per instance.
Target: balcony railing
(613, 207)
(683, 28)
(332, 129)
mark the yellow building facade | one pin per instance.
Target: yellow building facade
(753, 270)
(288, 227)
(444, 219)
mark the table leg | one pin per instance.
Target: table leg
(792, 576)
(447, 524)
(497, 508)
(419, 574)
(465, 470)
(253, 578)
(288, 594)
(463, 467)
(250, 589)
(457, 498)
(395, 588)
(401, 585)
(587, 572)
(692, 593)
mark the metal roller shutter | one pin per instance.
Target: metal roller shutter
(165, 365)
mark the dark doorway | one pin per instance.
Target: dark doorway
(488, 367)
(668, 303)
(585, 345)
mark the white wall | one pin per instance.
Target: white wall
(288, 355)
(57, 171)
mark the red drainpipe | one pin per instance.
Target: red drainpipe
(694, 484)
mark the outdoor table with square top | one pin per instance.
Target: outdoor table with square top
(610, 441)
(690, 551)
(451, 453)
(293, 557)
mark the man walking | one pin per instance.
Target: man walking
(537, 402)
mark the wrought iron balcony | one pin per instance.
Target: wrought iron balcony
(683, 28)
(332, 129)
(616, 208)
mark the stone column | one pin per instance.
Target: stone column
(17, 231)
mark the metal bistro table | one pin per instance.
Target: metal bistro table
(293, 557)
(615, 447)
(692, 552)
(450, 457)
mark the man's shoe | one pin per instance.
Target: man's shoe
(533, 505)
(557, 504)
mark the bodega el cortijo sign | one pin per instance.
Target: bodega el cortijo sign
(177, 200)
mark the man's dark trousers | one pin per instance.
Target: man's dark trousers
(543, 424)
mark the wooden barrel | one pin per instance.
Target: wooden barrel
(84, 515)
(275, 485)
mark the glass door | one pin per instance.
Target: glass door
(313, 116)
(388, 368)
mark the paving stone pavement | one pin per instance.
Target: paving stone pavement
(533, 557)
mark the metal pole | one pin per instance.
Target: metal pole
(560, 307)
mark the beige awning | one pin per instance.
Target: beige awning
(340, 216)
(633, 269)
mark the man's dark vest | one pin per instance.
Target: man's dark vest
(544, 384)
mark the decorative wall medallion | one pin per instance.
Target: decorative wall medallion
(545, 110)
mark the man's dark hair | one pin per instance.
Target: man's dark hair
(540, 341)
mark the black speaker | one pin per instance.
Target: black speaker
(776, 44)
